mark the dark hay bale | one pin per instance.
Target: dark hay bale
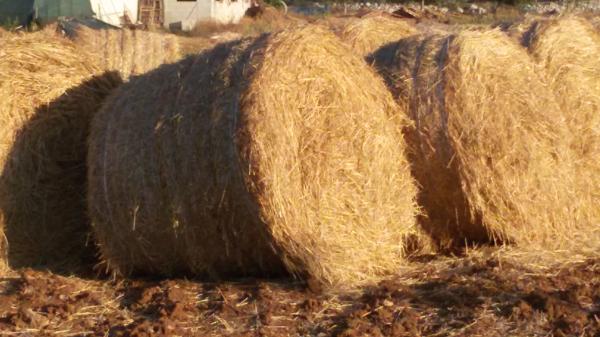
(49, 94)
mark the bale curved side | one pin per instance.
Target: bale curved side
(259, 156)
(486, 150)
(567, 51)
(373, 31)
(49, 95)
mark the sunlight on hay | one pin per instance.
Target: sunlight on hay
(282, 148)
(596, 23)
(568, 51)
(489, 149)
(42, 147)
(374, 31)
(130, 52)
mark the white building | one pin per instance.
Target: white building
(184, 14)
(115, 11)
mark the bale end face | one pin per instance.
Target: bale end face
(335, 186)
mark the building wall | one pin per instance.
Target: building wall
(111, 11)
(229, 11)
(186, 14)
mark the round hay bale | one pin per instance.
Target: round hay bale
(374, 31)
(48, 93)
(486, 150)
(259, 156)
(568, 51)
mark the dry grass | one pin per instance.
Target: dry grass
(375, 30)
(269, 21)
(503, 13)
(283, 148)
(194, 45)
(130, 52)
(49, 94)
(489, 147)
(567, 49)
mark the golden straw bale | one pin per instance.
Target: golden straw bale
(129, 52)
(568, 51)
(259, 156)
(49, 93)
(596, 22)
(375, 30)
(487, 150)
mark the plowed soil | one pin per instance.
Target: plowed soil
(474, 296)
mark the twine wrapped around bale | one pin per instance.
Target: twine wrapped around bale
(376, 30)
(260, 156)
(488, 147)
(49, 93)
(130, 52)
(568, 51)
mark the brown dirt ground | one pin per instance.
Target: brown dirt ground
(471, 296)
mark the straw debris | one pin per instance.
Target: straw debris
(49, 94)
(376, 30)
(259, 157)
(487, 150)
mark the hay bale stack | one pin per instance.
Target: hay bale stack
(487, 145)
(568, 52)
(260, 156)
(376, 30)
(48, 93)
(130, 52)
